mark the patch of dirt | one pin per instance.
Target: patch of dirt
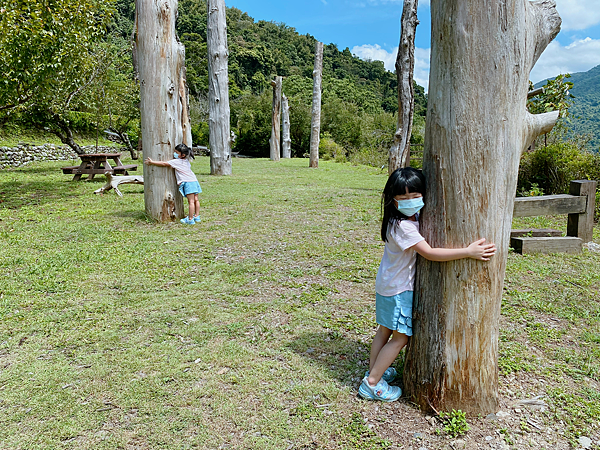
(513, 427)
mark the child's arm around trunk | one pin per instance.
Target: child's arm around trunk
(476, 250)
(151, 162)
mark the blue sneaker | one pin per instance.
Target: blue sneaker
(381, 391)
(187, 221)
(197, 219)
(389, 375)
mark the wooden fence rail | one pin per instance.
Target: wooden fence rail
(579, 205)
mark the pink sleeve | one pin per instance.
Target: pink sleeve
(408, 234)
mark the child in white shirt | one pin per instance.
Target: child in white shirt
(402, 199)
(186, 180)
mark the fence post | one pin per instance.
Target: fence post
(582, 225)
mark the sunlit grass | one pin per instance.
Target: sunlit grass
(118, 332)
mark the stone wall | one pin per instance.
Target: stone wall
(24, 154)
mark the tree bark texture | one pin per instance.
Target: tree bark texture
(315, 123)
(164, 116)
(275, 141)
(405, 68)
(473, 142)
(218, 90)
(286, 145)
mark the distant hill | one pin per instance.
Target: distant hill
(585, 112)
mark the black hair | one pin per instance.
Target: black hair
(397, 184)
(185, 151)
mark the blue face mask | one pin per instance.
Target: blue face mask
(411, 206)
(175, 155)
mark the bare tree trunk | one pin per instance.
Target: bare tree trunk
(473, 143)
(287, 140)
(275, 141)
(405, 68)
(315, 124)
(218, 90)
(161, 64)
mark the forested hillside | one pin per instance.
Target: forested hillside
(585, 112)
(359, 97)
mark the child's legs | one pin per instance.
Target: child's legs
(386, 356)
(381, 337)
(191, 205)
(197, 205)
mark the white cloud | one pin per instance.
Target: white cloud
(578, 14)
(376, 53)
(580, 56)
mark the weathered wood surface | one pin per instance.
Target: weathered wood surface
(113, 182)
(161, 64)
(218, 90)
(275, 140)
(548, 205)
(315, 123)
(527, 245)
(535, 92)
(473, 142)
(286, 144)
(405, 67)
(535, 232)
(582, 225)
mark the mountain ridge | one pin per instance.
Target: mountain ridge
(584, 115)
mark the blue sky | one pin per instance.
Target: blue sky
(371, 30)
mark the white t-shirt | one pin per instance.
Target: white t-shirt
(397, 269)
(183, 170)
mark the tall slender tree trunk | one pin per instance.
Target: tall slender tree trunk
(286, 146)
(405, 67)
(275, 141)
(218, 90)
(164, 117)
(473, 142)
(315, 124)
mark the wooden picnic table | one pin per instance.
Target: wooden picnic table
(98, 164)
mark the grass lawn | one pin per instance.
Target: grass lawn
(251, 330)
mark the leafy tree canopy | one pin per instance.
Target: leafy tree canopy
(45, 47)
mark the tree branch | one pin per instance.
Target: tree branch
(547, 25)
(538, 124)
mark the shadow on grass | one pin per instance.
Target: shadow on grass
(17, 194)
(136, 214)
(341, 357)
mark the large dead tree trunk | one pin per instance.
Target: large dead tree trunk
(218, 90)
(473, 142)
(275, 141)
(405, 68)
(286, 146)
(161, 63)
(315, 123)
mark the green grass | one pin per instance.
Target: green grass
(250, 329)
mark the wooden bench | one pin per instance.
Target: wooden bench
(70, 170)
(123, 169)
(579, 205)
(98, 164)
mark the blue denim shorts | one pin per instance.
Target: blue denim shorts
(189, 187)
(395, 312)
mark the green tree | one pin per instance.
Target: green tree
(555, 96)
(55, 59)
(44, 48)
